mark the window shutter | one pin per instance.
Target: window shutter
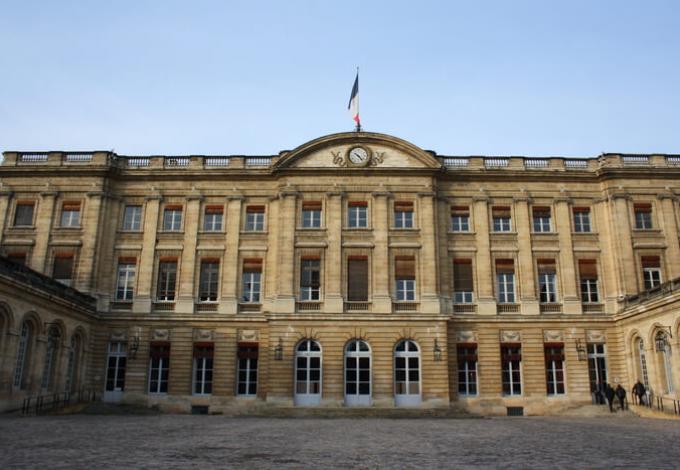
(587, 268)
(210, 260)
(127, 260)
(500, 211)
(247, 350)
(202, 350)
(71, 206)
(357, 203)
(462, 275)
(541, 211)
(159, 349)
(173, 207)
(460, 210)
(357, 279)
(167, 259)
(505, 266)
(511, 351)
(651, 262)
(581, 209)
(255, 209)
(403, 206)
(63, 266)
(311, 205)
(252, 265)
(554, 351)
(546, 266)
(214, 209)
(642, 207)
(405, 267)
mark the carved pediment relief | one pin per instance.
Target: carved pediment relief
(466, 336)
(551, 336)
(508, 336)
(160, 335)
(203, 335)
(248, 336)
(595, 336)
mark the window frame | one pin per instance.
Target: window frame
(511, 356)
(209, 267)
(159, 361)
(357, 215)
(642, 213)
(129, 284)
(541, 220)
(22, 204)
(311, 215)
(135, 224)
(582, 222)
(202, 373)
(554, 367)
(467, 359)
(173, 216)
(70, 214)
(164, 292)
(310, 291)
(213, 218)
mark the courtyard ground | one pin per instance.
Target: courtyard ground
(185, 441)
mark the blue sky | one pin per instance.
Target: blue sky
(572, 78)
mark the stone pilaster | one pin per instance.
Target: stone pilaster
(231, 268)
(429, 268)
(333, 302)
(625, 257)
(525, 279)
(185, 298)
(5, 198)
(486, 302)
(145, 268)
(43, 227)
(608, 285)
(285, 296)
(91, 223)
(670, 231)
(570, 298)
(446, 269)
(382, 302)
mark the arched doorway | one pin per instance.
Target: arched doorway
(357, 373)
(307, 373)
(115, 371)
(407, 373)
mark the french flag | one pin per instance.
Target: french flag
(353, 105)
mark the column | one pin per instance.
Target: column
(187, 273)
(608, 285)
(445, 286)
(484, 281)
(525, 279)
(670, 230)
(145, 265)
(570, 298)
(5, 197)
(429, 272)
(43, 227)
(333, 302)
(91, 223)
(285, 296)
(380, 262)
(231, 268)
(624, 255)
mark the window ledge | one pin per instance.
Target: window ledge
(491, 232)
(171, 232)
(254, 232)
(460, 232)
(123, 231)
(358, 229)
(647, 230)
(22, 227)
(405, 229)
(211, 232)
(69, 228)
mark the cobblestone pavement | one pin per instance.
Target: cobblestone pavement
(181, 441)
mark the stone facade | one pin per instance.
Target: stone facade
(254, 277)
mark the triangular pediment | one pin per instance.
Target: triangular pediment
(376, 151)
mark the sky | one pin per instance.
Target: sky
(537, 78)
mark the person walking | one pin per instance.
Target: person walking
(640, 391)
(621, 395)
(609, 393)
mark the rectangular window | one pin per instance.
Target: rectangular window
(467, 369)
(212, 218)
(255, 219)
(547, 283)
(554, 368)
(208, 280)
(159, 367)
(597, 366)
(505, 281)
(588, 274)
(310, 279)
(252, 280)
(311, 214)
(541, 216)
(643, 216)
(651, 270)
(582, 219)
(403, 214)
(70, 214)
(462, 281)
(357, 279)
(23, 214)
(172, 218)
(203, 368)
(63, 268)
(132, 218)
(502, 221)
(18, 257)
(511, 368)
(247, 369)
(357, 214)
(167, 279)
(405, 276)
(125, 286)
(460, 219)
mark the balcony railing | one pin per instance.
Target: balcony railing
(257, 161)
(249, 308)
(206, 307)
(357, 306)
(507, 308)
(405, 306)
(306, 306)
(635, 160)
(33, 158)
(536, 163)
(673, 160)
(464, 308)
(662, 290)
(216, 161)
(456, 162)
(161, 306)
(137, 162)
(496, 162)
(78, 157)
(550, 308)
(171, 162)
(576, 164)
(592, 308)
(121, 305)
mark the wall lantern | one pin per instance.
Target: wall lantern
(661, 341)
(278, 351)
(437, 351)
(581, 350)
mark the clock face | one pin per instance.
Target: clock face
(358, 156)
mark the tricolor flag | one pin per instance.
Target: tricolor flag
(353, 105)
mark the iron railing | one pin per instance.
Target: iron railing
(659, 403)
(661, 290)
(56, 401)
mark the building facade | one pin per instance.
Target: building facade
(354, 270)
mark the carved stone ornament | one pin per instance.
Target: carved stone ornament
(551, 336)
(357, 156)
(466, 336)
(119, 335)
(510, 336)
(203, 335)
(595, 336)
(248, 336)
(160, 335)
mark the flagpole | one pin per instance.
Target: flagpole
(358, 128)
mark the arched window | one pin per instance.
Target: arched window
(73, 364)
(357, 373)
(407, 373)
(50, 357)
(308, 373)
(23, 351)
(663, 348)
(642, 361)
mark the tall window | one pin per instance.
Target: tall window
(310, 279)
(554, 368)
(582, 219)
(357, 373)
(53, 339)
(247, 369)
(663, 348)
(73, 364)
(541, 216)
(547, 281)
(23, 214)
(505, 281)
(405, 277)
(62, 270)
(203, 368)
(308, 373)
(125, 287)
(311, 214)
(502, 222)
(357, 279)
(172, 218)
(70, 214)
(159, 367)
(212, 218)
(642, 357)
(132, 218)
(511, 368)
(23, 352)
(597, 366)
(467, 369)
(208, 280)
(462, 281)
(407, 373)
(403, 214)
(460, 219)
(643, 216)
(588, 273)
(167, 279)
(651, 271)
(357, 214)
(115, 367)
(255, 219)
(252, 280)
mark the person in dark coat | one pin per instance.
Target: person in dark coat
(640, 390)
(609, 393)
(621, 395)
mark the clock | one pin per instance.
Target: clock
(358, 156)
